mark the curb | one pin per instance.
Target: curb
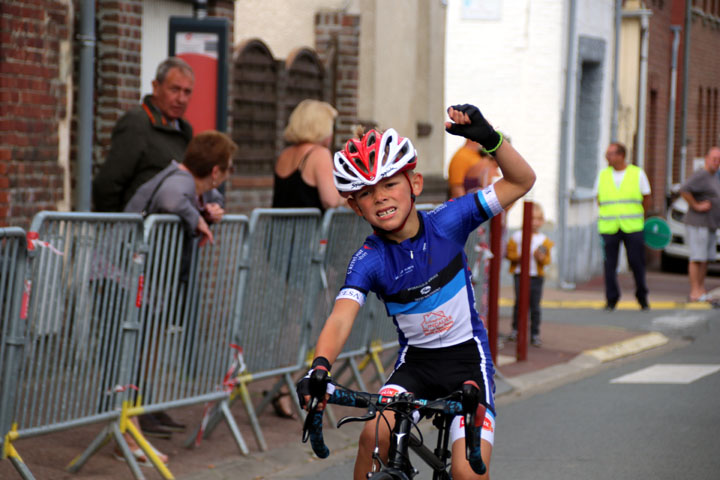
(627, 347)
(623, 305)
(558, 374)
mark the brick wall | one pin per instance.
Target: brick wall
(118, 58)
(33, 100)
(658, 99)
(337, 40)
(704, 75)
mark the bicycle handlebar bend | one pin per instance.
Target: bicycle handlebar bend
(372, 401)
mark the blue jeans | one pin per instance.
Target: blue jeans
(536, 288)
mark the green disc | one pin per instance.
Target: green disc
(656, 233)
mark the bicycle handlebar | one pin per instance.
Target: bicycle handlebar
(373, 401)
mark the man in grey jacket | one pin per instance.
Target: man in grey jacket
(147, 137)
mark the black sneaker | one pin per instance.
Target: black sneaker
(151, 427)
(609, 306)
(644, 304)
(168, 423)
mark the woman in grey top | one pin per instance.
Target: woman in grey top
(188, 189)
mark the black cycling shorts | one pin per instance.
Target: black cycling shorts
(431, 373)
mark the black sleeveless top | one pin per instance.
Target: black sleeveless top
(293, 192)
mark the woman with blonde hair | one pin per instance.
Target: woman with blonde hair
(303, 171)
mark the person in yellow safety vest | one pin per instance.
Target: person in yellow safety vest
(623, 194)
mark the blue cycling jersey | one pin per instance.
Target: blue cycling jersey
(424, 281)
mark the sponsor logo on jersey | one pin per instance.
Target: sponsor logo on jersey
(436, 322)
(425, 290)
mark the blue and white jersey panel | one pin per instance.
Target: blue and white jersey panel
(425, 281)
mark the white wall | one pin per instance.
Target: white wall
(513, 69)
(401, 58)
(282, 26)
(155, 21)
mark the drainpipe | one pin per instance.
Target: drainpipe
(644, 16)
(616, 70)
(686, 79)
(200, 9)
(564, 164)
(85, 105)
(671, 113)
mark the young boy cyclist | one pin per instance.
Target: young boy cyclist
(416, 263)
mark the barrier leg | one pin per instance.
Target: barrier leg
(291, 388)
(100, 440)
(379, 367)
(224, 407)
(356, 373)
(216, 415)
(340, 370)
(247, 401)
(270, 395)
(149, 451)
(191, 440)
(117, 432)
(10, 452)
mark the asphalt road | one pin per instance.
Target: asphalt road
(645, 416)
(611, 426)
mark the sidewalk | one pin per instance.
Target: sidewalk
(568, 347)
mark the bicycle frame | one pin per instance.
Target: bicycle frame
(404, 405)
(437, 460)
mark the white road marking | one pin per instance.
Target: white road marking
(677, 321)
(668, 373)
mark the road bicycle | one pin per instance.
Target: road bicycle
(407, 410)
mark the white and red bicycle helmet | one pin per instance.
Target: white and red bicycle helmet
(375, 156)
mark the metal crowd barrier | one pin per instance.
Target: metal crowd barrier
(114, 323)
(13, 259)
(69, 348)
(187, 324)
(277, 300)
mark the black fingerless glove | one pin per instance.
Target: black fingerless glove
(479, 130)
(314, 383)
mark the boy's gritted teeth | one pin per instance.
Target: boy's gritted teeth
(386, 212)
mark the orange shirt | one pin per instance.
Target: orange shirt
(459, 164)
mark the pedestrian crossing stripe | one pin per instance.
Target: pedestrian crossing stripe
(668, 373)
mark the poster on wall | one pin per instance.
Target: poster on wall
(202, 43)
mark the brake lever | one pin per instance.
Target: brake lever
(309, 418)
(371, 413)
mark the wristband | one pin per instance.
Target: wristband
(493, 150)
(321, 362)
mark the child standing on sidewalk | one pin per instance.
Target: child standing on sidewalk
(540, 247)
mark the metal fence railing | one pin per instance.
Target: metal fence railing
(277, 300)
(81, 284)
(108, 316)
(13, 259)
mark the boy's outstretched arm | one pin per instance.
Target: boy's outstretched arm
(518, 176)
(337, 329)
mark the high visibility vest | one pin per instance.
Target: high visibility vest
(620, 208)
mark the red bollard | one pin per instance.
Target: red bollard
(494, 283)
(524, 288)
